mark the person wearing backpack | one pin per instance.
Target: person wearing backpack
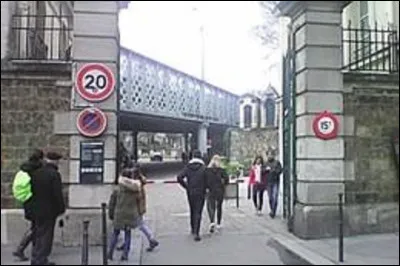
(22, 192)
(47, 205)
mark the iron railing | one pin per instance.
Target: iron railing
(39, 37)
(373, 49)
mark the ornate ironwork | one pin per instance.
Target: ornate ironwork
(150, 87)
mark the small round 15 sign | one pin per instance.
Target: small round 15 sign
(326, 126)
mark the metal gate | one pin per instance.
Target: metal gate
(289, 129)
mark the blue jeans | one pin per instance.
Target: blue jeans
(273, 193)
(114, 241)
(145, 229)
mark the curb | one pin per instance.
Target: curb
(296, 249)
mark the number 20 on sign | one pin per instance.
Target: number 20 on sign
(326, 126)
(95, 82)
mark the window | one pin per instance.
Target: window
(248, 116)
(365, 29)
(270, 112)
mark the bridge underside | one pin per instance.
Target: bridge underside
(146, 123)
(156, 124)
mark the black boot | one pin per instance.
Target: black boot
(26, 239)
(153, 244)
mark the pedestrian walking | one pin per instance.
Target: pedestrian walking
(142, 205)
(274, 170)
(193, 180)
(124, 211)
(258, 181)
(22, 189)
(217, 179)
(47, 205)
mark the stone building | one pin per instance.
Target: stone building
(38, 104)
(351, 71)
(36, 38)
(259, 123)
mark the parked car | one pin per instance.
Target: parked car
(156, 157)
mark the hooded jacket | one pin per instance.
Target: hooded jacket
(193, 177)
(124, 203)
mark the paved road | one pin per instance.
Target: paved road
(241, 241)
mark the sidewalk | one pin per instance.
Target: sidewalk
(72, 255)
(244, 239)
(376, 249)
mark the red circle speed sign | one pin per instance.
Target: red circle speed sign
(95, 82)
(326, 126)
(91, 122)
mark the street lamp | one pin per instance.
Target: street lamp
(202, 36)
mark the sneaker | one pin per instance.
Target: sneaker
(212, 228)
(153, 245)
(124, 257)
(197, 238)
(272, 215)
(259, 213)
(20, 255)
(219, 226)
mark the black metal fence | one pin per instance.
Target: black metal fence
(370, 49)
(39, 37)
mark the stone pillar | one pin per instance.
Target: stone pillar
(96, 40)
(202, 138)
(319, 87)
(187, 143)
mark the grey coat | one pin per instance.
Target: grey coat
(124, 204)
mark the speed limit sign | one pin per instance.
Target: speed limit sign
(95, 82)
(326, 126)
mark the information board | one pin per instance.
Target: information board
(91, 162)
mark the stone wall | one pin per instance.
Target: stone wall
(246, 144)
(29, 100)
(373, 102)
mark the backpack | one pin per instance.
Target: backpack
(22, 190)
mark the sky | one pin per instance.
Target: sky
(169, 32)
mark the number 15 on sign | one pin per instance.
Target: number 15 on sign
(95, 82)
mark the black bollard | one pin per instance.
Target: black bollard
(85, 243)
(104, 232)
(341, 259)
(248, 191)
(237, 193)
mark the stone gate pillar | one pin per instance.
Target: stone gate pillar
(96, 41)
(202, 138)
(319, 86)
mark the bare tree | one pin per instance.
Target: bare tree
(268, 31)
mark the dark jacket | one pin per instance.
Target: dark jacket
(217, 179)
(124, 204)
(193, 178)
(275, 171)
(30, 167)
(47, 200)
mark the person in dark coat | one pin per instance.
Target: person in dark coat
(193, 179)
(47, 205)
(34, 162)
(217, 179)
(274, 169)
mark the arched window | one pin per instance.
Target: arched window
(270, 112)
(247, 116)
